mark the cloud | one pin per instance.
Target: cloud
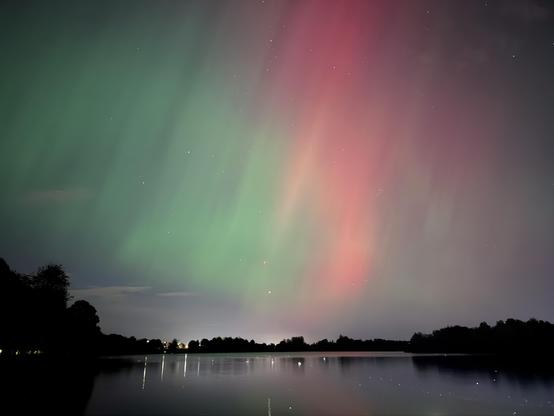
(177, 294)
(121, 291)
(56, 196)
(109, 291)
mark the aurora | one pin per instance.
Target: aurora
(268, 168)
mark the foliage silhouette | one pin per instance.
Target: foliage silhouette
(294, 344)
(506, 337)
(173, 346)
(82, 325)
(34, 317)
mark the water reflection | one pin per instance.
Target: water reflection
(292, 384)
(46, 386)
(144, 372)
(185, 367)
(526, 374)
(341, 384)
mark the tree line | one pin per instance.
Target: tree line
(35, 318)
(510, 336)
(343, 343)
(34, 315)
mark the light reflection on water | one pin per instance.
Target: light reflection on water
(318, 384)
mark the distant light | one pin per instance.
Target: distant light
(299, 363)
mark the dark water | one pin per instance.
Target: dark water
(305, 384)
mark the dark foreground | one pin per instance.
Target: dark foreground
(279, 384)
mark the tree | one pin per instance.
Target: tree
(83, 316)
(50, 293)
(292, 344)
(173, 346)
(156, 345)
(16, 310)
(51, 282)
(82, 326)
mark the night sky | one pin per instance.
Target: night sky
(271, 168)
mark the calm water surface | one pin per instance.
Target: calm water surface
(317, 384)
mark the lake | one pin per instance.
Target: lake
(298, 384)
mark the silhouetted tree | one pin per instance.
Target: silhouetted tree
(82, 326)
(173, 346)
(51, 283)
(322, 345)
(16, 311)
(156, 345)
(193, 346)
(292, 344)
(510, 336)
(34, 316)
(50, 295)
